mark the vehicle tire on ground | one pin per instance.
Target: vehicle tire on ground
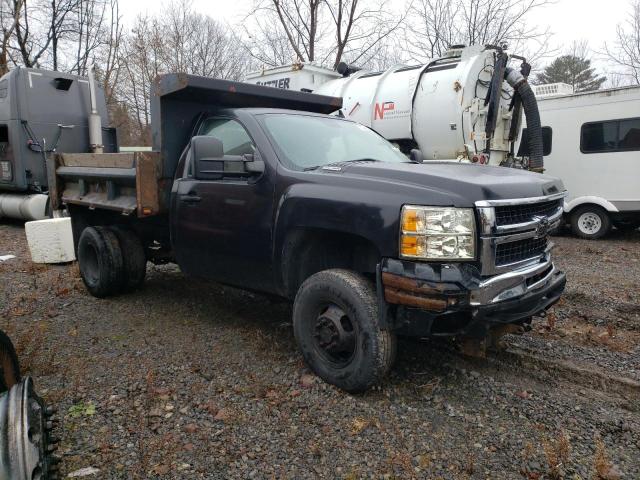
(100, 260)
(134, 259)
(590, 222)
(9, 366)
(335, 322)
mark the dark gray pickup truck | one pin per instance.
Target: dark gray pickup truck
(258, 188)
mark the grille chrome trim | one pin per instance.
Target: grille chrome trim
(532, 225)
(520, 201)
(492, 235)
(513, 284)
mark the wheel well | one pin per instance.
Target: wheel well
(148, 230)
(593, 206)
(309, 251)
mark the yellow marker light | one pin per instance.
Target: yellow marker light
(409, 246)
(410, 220)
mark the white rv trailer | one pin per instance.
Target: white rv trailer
(595, 150)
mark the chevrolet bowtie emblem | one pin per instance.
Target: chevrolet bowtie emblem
(542, 227)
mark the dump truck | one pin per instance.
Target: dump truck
(260, 188)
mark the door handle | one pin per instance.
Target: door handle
(190, 198)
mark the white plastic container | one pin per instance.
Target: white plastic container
(50, 240)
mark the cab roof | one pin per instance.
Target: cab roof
(178, 99)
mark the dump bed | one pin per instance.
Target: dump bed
(139, 183)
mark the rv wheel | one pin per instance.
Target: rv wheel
(590, 222)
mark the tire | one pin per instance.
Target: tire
(133, 257)
(590, 222)
(100, 259)
(339, 303)
(9, 366)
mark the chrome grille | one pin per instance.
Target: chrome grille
(514, 214)
(513, 252)
(515, 233)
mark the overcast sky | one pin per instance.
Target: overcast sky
(569, 20)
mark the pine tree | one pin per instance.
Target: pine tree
(574, 70)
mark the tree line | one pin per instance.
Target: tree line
(72, 35)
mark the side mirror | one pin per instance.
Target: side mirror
(208, 157)
(416, 155)
(253, 163)
(210, 162)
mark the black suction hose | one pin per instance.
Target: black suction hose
(530, 106)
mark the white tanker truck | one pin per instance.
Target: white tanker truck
(464, 106)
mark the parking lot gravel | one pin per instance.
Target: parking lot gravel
(187, 379)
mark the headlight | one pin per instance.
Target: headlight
(437, 233)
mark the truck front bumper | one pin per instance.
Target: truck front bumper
(423, 299)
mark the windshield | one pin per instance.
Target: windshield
(306, 142)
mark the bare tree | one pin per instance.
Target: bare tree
(322, 31)
(10, 12)
(433, 28)
(434, 25)
(625, 50)
(281, 31)
(108, 60)
(176, 40)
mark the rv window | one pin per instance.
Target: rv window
(547, 140)
(629, 134)
(4, 134)
(610, 136)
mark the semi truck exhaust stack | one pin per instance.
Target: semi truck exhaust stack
(95, 121)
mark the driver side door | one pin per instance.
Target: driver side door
(222, 227)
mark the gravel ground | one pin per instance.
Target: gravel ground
(187, 379)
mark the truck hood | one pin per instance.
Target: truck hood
(469, 183)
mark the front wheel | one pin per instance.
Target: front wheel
(335, 322)
(590, 222)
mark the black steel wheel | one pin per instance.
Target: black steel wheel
(101, 263)
(335, 321)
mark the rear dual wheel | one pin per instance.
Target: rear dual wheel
(112, 260)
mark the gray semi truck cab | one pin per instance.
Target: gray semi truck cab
(41, 112)
(259, 188)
